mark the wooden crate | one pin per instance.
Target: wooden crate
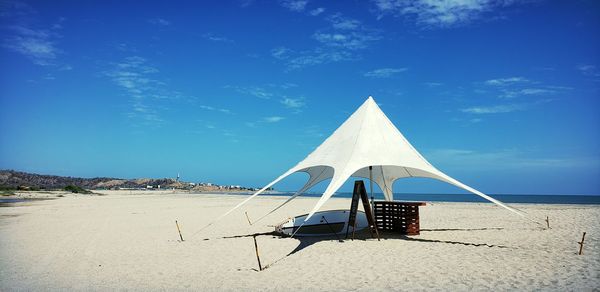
(401, 217)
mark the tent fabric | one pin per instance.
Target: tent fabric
(366, 139)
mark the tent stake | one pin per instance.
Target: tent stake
(581, 244)
(178, 230)
(257, 256)
(548, 222)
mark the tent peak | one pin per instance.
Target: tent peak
(370, 101)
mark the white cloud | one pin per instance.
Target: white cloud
(298, 60)
(286, 85)
(433, 84)
(317, 11)
(506, 81)
(527, 91)
(293, 103)
(340, 41)
(384, 72)
(346, 33)
(350, 41)
(536, 91)
(255, 91)
(511, 87)
(38, 45)
(246, 3)
(210, 108)
(294, 5)
(513, 94)
(159, 21)
(273, 119)
(494, 109)
(504, 159)
(137, 79)
(446, 13)
(206, 107)
(281, 53)
(338, 21)
(588, 70)
(212, 37)
(123, 47)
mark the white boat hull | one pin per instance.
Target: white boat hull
(322, 224)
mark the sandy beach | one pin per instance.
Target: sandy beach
(128, 241)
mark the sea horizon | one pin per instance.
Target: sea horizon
(461, 198)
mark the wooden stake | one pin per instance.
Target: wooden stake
(257, 256)
(179, 230)
(248, 218)
(581, 244)
(548, 222)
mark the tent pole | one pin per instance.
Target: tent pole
(371, 185)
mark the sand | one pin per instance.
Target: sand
(128, 241)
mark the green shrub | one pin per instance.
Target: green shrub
(76, 189)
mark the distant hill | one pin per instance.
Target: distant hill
(10, 179)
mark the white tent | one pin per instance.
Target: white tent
(366, 139)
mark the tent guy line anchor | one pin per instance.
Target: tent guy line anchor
(257, 256)
(178, 230)
(581, 244)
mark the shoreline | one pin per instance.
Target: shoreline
(26, 195)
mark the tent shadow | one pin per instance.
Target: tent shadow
(363, 236)
(462, 229)
(304, 241)
(388, 236)
(308, 241)
(272, 233)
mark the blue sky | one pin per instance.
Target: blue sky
(502, 95)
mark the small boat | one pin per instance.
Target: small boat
(323, 223)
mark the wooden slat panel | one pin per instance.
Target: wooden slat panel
(402, 217)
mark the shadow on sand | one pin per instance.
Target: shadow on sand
(363, 236)
(462, 229)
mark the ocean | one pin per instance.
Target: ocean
(532, 199)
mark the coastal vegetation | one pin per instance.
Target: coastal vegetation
(76, 189)
(11, 180)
